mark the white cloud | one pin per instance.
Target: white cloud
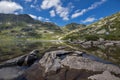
(35, 1)
(9, 7)
(93, 6)
(46, 4)
(58, 9)
(47, 20)
(39, 18)
(28, 0)
(35, 7)
(88, 20)
(32, 6)
(100, 18)
(62, 12)
(43, 19)
(52, 13)
(33, 16)
(5, 0)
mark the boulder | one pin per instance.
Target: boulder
(25, 60)
(67, 65)
(28, 59)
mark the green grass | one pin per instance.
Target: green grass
(90, 32)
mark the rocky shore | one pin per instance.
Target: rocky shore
(71, 65)
(61, 65)
(89, 44)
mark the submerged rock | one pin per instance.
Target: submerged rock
(67, 65)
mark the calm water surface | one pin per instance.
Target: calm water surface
(101, 53)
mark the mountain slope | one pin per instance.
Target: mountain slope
(107, 28)
(18, 20)
(73, 26)
(23, 26)
(4, 18)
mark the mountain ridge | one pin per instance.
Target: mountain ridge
(73, 26)
(107, 28)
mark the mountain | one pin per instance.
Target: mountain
(73, 26)
(107, 28)
(4, 18)
(25, 19)
(51, 26)
(24, 26)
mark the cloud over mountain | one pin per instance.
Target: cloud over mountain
(88, 20)
(9, 7)
(57, 7)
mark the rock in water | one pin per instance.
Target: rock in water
(67, 65)
(10, 70)
(25, 60)
(29, 59)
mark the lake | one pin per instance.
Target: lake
(100, 53)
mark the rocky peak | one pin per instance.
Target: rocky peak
(73, 26)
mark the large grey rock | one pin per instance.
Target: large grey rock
(24, 60)
(61, 64)
(87, 64)
(51, 60)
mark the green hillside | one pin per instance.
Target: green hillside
(23, 26)
(107, 28)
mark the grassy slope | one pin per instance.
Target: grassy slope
(109, 25)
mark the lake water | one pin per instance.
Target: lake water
(109, 55)
(103, 54)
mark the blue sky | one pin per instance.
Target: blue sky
(62, 12)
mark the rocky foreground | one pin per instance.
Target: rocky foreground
(61, 65)
(71, 65)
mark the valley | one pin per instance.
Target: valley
(97, 43)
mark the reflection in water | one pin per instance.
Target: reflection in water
(19, 48)
(106, 54)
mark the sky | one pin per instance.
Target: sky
(62, 12)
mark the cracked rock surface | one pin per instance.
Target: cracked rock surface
(70, 65)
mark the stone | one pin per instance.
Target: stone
(28, 59)
(67, 65)
(25, 60)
